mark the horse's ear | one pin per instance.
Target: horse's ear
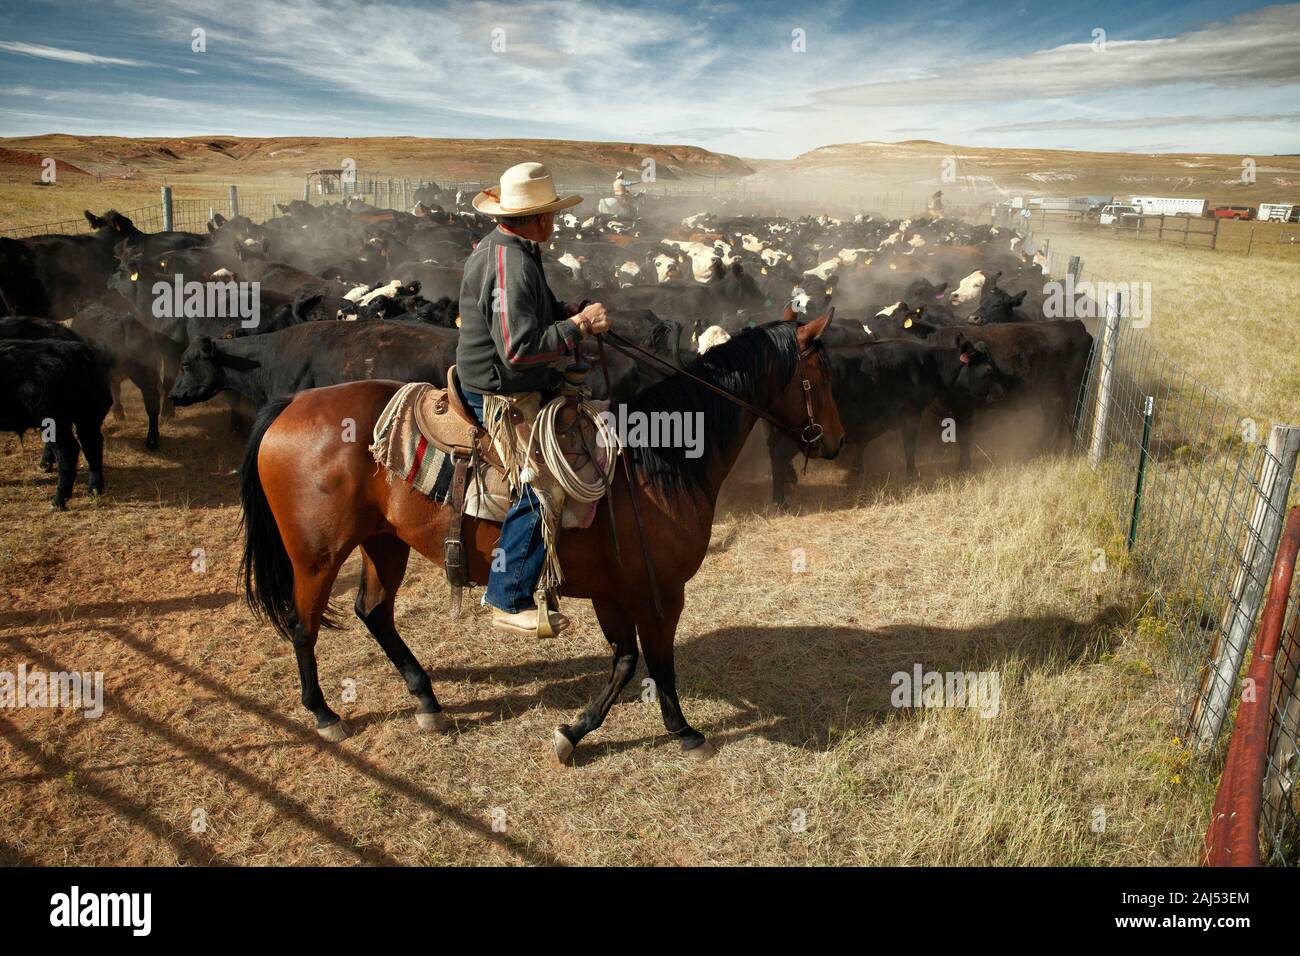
(95, 221)
(813, 330)
(789, 315)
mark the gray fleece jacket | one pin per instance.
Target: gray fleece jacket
(511, 327)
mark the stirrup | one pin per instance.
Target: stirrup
(548, 603)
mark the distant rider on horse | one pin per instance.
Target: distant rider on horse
(512, 330)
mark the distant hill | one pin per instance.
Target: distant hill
(916, 168)
(292, 156)
(99, 172)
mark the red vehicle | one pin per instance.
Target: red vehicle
(1231, 212)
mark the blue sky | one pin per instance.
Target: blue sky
(1219, 76)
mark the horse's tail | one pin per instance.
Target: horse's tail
(266, 568)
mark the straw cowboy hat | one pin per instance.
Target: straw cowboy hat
(524, 190)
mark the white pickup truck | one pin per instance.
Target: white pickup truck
(1119, 213)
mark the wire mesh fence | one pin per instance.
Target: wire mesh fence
(1203, 500)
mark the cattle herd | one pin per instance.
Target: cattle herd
(929, 313)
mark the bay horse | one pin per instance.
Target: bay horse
(311, 495)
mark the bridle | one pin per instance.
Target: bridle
(805, 436)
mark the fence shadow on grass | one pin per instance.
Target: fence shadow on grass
(794, 683)
(217, 760)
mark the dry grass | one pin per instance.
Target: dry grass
(788, 673)
(1227, 319)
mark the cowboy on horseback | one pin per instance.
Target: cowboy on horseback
(512, 330)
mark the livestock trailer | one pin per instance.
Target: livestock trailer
(1278, 212)
(1166, 206)
(1060, 204)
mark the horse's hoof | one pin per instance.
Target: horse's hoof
(58, 506)
(335, 732)
(561, 748)
(701, 751)
(435, 723)
(151, 444)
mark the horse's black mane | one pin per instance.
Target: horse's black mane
(738, 366)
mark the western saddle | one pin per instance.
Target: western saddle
(450, 426)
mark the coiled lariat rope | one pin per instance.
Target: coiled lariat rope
(547, 442)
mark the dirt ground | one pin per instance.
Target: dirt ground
(204, 755)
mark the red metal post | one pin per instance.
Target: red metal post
(1233, 836)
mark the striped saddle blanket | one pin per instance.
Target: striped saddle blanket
(401, 449)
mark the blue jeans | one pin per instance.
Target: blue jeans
(522, 551)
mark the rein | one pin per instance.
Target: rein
(804, 437)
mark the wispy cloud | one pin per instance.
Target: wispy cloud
(708, 132)
(725, 77)
(1257, 48)
(1141, 122)
(64, 56)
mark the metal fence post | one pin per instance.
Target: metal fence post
(1147, 410)
(1247, 592)
(1097, 445)
(167, 208)
(234, 201)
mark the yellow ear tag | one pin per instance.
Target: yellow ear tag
(907, 324)
(830, 291)
(458, 321)
(134, 276)
(893, 265)
(764, 270)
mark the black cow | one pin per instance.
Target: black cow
(998, 306)
(21, 292)
(61, 272)
(132, 351)
(888, 385)
(688, 300)
(905, 322)
(60, 388)
(34, 330)
(1047, 362)
(265, 367)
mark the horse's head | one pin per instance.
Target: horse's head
(806, 406)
